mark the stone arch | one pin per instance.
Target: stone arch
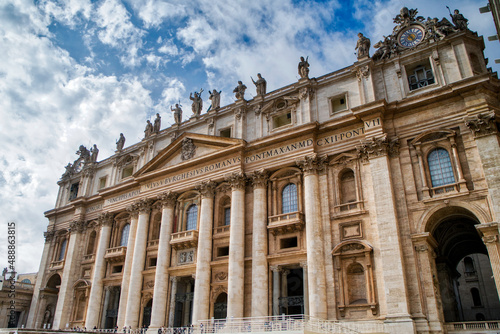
(53, 282)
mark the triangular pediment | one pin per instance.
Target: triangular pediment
(189, 149)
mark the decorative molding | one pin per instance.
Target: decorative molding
(188, 149)
(259, 178)
(306, 93)
(482, 125)
(206, 188)
(167, 199)
(49, 235)
(362, 72)
(239, 113)
(105, 219)
(377, 147)
(311, 163)
(143, 205)
(237, 180)
(487, 239)
(221, 276)
(77, 226)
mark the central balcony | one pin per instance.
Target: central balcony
(286, 223)
(184, 239)
(116, 254)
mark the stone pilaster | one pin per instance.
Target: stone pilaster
(127, 267)
(376, 151)
(236, 267)
(485, 131)
(36, 302)
(161, 276)
(424, 245)
(65, 297)
(491, 240)
(135, 285)
(259, 244)
(204, 253)
(94, 305)
(314, 236)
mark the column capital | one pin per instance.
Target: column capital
(206, 188)
(133, 211)
(236, 180)
(311, 163)
(167, 199)
(143, 205)
(275, 268)
(488, 230)
(376, 147)
(48, 235)
(303, 264)
(482, 125)
(77, 226)
(259, 178)
(105, 219)
(174, 279)
(422, 241)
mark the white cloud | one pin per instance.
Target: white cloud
(155, 12)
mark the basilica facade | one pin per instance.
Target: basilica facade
(365, 194)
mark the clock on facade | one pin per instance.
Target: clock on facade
(411, 36)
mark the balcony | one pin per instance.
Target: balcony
(55, 265)
(221, 231)
(89, 258)
(286, 223)
(185, 239)
(153, 244)
(116, 254)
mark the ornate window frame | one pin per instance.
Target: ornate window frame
(338, 165)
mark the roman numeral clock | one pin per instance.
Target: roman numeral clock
(411, 36)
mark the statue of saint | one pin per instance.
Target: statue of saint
(363, 46)
(240, 91)
(177, 113)
(47, 316)
(304, 68)
(215, 98)
(148, 131)
(197, 105)
(84, 153)
(94, 151)
(459, 20)
(120, 142)
(157, 123)
(260, 85)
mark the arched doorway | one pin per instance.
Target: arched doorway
(49, 294)
(220, 306)
(146, 316)
(464, 294)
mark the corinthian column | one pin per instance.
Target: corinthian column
(204, 253)
(135, 286)
(260, 280)
(236, 267)
(161, 276)
(314, 237)
(65, 298)
(127, 267)
(490, 234)
(92, 319)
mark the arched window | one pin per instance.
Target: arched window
(469, 266)
(26, 281)
(227, 216)
(440, 168)
(192, 217)
(124, 237)
(289, 198)
(347, 187)
(476, 298)
(91, 244)
(62, 250)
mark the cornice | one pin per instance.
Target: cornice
(292, 133)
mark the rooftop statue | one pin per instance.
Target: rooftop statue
(177, 113)
(215, 98)
(157, 123)
(197, 105)
(148, 131)
(84, 153)
(304, 68)
(120, 142)
(458, 19)
(260, 85)
(94, 151)
(240, 91)
(437, 30)
(363, 46)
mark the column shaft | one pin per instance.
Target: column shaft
(135, 285)
(236, 267)
(173, 292)
(98, 273)
(161, 275)
(276, 290)
(127, 269)
(260, 284)
(105, 307)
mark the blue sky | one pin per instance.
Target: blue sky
(80, 72)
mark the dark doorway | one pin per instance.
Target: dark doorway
(220, 306)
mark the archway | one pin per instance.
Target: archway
(458, 242)
(146, 316)
(50, 295)
(220, 306)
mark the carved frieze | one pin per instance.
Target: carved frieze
(188, 149)
(186, 257)
(167, 199)
(377, 147)
(221, 276)
(105, 218)
(482, 125)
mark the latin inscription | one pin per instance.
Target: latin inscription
(94, 208)
(279, 151)
(122, 197)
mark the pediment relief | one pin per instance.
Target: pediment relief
(280, 104)
(187, 148)
(127, 159)
(432, 135)
(343, 159)
(352, 246)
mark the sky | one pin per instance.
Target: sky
(79, 72)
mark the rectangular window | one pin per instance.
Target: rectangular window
(152, 262)
(127, 171)
(288, 243)
(339, 103)
(420, 75)
(117, 269)
(223, 251)
(73, 191)
(227, 216)
(102, 182)
(282, 120)
(225, 133)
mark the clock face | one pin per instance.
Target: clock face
(411, 37)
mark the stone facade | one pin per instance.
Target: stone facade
(351, 196)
